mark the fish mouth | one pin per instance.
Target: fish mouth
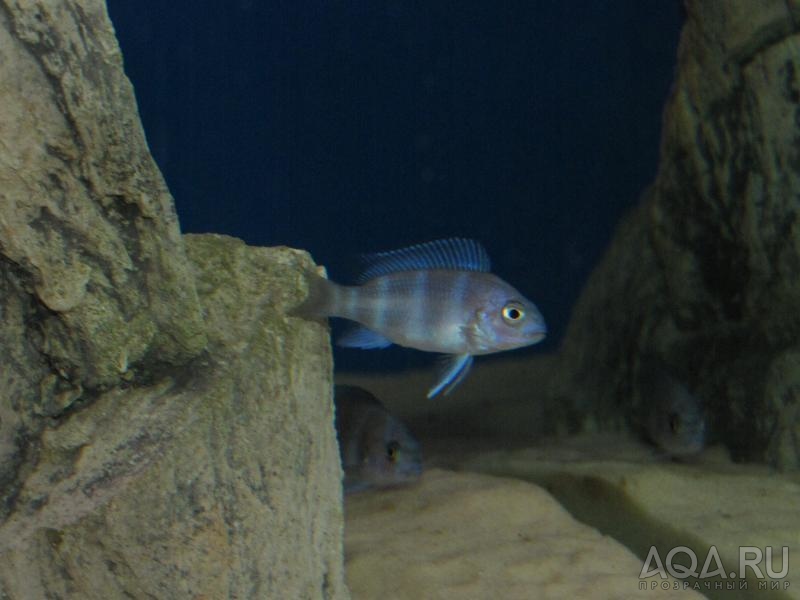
(537, 333)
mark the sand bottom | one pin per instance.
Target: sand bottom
(572, 518)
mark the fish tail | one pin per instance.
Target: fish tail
(318, 304)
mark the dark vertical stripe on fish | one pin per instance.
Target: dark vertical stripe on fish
(461, 292)
(418, 319)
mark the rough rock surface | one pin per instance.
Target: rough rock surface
(221, 480)
(153, 443)
(706, 272)
(464, 535)
(94, 283)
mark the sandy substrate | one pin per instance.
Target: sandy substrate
(564, 516)
(472, 536)
(643, 502)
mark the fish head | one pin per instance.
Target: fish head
(677, 420)
(681, 432)
(393, 457)
(504, 320)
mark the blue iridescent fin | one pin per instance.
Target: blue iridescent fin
(455, 254)
(360, 337)
(455, 368)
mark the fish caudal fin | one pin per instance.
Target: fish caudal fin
(454, 369)
(317, 304)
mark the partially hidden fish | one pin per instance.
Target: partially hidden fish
(376, 449)
(674, 418)
(438, 297)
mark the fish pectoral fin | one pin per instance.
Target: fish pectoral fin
(361, 337)
(475, 331)
(454, 368)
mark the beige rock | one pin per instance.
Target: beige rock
(95, 289)
(86, 217)
(220, 480)
(166, 431)
(460, 535)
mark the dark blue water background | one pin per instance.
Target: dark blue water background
(350, 126)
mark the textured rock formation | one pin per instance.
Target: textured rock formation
(219, 480)
(706, 272)
(95, 285)
(154, 443)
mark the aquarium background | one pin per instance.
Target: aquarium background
(343, 127)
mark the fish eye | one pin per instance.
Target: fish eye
(674, 422)
(392, 451)
(513, 312)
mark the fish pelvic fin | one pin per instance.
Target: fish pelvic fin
(317, 304)
(454, 369)
(359, 336)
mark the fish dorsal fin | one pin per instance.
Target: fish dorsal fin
(453, 254)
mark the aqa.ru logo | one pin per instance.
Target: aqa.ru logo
(749, 556)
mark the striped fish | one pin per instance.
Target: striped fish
(376, 449)
(437, 297)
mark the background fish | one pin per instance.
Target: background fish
(674, 418)
(376, 449)
(438, 297)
